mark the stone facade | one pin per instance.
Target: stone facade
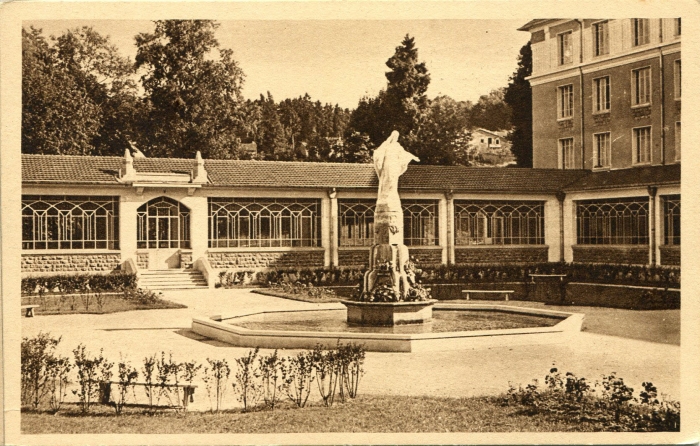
(431, 256)
(70, 263)
(622, 255)
(356, 258)
(502, 254)
(266, 259)
(142, 260)
(670, 255)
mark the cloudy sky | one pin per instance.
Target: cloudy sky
(339, 61)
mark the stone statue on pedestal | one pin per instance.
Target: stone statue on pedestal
(390, 273)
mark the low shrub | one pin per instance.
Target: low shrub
(127, 376)
(43, 373)
(297, 376)
(93, 372)
(215, 379)
(78, 283)
(609, 405)
(248, 380)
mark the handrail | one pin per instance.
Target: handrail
(202, 264)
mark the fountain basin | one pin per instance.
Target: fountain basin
(389, 313)
(223, 328)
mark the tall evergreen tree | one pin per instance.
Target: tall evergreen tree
(519, 96)
(193, 89)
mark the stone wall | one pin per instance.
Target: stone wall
(355, 258)
(670, 255)
(142, 260)
(70, 263)
(622, 255)
(266, 259)
(185, 259)
(426, 257)
(502, 254)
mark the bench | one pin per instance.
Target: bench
(506, 293)
(187, 394)
(30, 309)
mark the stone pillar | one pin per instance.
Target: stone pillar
(652, 224)
(443, 229)
(561, 196)
(326, 231)
(128, 204)
(569, 210)
(450, 227)
(199, 224)
(333, 228)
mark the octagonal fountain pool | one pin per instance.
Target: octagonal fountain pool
(453, 327)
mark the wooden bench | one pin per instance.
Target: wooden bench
(506, 293)
(30, 310)
(187, 394)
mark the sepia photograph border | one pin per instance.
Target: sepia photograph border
(12, 16)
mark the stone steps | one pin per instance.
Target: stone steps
(172, 279)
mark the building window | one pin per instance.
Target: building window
(70, 222)
(641, 86)
(163, 223)
(264, 223)
(601, 94)
(356, 222)
(642, 145)
(499, 223)
(420, 222)
(566, 46)
(601, 39)
(565, 109)
(566, 148)
(677, 79)
(623, 221)
(498, 142)
(677, 26)
(677, 140)
(672, 219)
(640, 32)
(601, 147)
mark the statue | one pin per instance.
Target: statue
(390, 274)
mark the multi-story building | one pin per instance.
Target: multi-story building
(606, 93)
(607, 99)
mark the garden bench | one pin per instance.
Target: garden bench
(187, 395)
(505, 293)
(30, 310)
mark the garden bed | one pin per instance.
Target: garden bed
(56, 304)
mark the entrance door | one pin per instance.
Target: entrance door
(163, 229)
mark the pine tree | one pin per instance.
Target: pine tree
(519, 97)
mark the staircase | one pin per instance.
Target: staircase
(172, 279)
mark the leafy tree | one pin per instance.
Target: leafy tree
(518, 96)
(194, 94)
(270, 136)
(58, 116)
(491, 112)
(105, 76)
(444, 136)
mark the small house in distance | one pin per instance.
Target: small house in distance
(490, 148)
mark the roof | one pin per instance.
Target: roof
(496, 133)
(64, 169)
(626, 178)
(533, 23)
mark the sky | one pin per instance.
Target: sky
(340, 61)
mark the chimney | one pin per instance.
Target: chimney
(200, 173)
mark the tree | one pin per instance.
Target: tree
(491, 112)
(444, 135)
(518, 96)
(193, 89)
(271, 137)
(58, 115)
(402, 106)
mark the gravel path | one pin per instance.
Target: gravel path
(487, 371)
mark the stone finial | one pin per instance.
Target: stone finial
(200, 173)
(128, 171)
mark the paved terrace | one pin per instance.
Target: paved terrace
(138, 334)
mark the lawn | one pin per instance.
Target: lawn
(364, 414)
(662, 326)
(52, 304)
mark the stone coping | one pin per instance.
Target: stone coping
(389, 304)
(215, 327)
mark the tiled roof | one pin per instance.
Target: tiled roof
(56, 169)
(625, 178)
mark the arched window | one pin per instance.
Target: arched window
(163, 223)
(70, 222)
(420, 222)
(672, 219)
(356, 222)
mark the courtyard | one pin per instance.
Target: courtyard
(653, 356)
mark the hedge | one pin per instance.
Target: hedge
(79, 283)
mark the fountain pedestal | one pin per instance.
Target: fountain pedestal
(389, 313)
